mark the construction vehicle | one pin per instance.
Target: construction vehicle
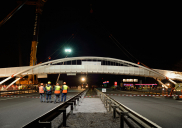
(32, 79)
(177, 91)
(174, 92)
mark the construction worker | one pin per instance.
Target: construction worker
(16, 88)
(48, 90)
(57, 91)
(64, 91)
(41, 92)
(4, 87)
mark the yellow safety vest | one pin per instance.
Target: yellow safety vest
(57, 89)
(65, 87)
(48, 88)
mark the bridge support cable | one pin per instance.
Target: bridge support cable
(136, 58)
(122, 50)
(5, 80)
(58, 78)
(12, 13)
(12, 83)
(172, 81)
(122, 47)
(161, 83)
(161, 74)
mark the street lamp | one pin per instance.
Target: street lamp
(68, 50)
(83, 79)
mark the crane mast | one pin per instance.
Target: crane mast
(33, 59)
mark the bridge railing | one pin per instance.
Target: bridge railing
(45, 121)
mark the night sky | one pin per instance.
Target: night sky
(148, 31)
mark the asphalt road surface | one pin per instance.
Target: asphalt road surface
(16, 111)
(165, 112)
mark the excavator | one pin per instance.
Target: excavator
(32, 79)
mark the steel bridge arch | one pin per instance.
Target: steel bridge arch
(108, 59)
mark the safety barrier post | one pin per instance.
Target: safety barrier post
(110, 105)
(64, 116)
(74, 104)
(107, 104)
(114, 111)
(104, 100)
(71, 103)
(122, 114)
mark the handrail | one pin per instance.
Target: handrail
(138, 119)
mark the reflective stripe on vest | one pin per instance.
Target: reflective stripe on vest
(41, 89)
(65, 87)
(57, 89)
(48, 88)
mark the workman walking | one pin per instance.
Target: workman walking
(48, 90)
(41, 92)
(64, 92)
(57, 91)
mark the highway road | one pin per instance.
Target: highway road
(16, 111)
(165, 112)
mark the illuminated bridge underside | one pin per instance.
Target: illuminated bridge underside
(122, 70)
(119, 67)
(102, 69)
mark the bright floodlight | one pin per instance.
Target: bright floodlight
(83, 79)
(67, 50)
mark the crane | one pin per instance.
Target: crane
(33, 60)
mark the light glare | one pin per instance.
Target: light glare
(67, 50)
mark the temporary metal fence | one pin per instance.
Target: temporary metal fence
(126, 115)
(44, 121)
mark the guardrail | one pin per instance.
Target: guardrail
(126, 115)
(17, 91)
(44, 121)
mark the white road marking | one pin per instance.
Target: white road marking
(179, 101)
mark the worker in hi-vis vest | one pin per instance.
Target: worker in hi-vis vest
(64, 91)
(41, 92)
(48, 90)
(57, 91)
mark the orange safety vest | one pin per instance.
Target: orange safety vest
(57, 89)
(65, 87)
(41, 89)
